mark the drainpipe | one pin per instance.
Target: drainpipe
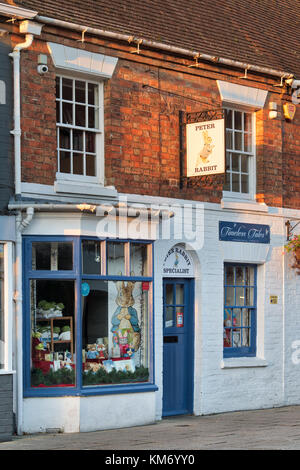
(30, 29)
(21, 224)
(17, 111)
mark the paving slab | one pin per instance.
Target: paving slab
(276, 428)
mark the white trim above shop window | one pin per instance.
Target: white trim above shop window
(70, 58)
(241, 95)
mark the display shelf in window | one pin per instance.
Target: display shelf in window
(55, 334)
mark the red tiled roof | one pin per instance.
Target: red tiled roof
(259, 32)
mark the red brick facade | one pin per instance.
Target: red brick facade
(142, 102)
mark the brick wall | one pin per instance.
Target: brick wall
(142, 103)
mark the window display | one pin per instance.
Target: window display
(239, 310)
(100, 289)
(52, 337)
(115, 333)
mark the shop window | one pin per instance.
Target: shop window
(53, 256)
(2, 338)
(78, 126)
(115, 333)
(239, 310)
(52, 332)
(240, 153)
(86, 289)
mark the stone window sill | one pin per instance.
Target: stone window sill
(241, 362)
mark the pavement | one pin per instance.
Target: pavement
(270, 429)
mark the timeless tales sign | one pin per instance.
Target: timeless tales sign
(205, 148)
(240, 232)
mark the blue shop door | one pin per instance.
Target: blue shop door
(178, 351)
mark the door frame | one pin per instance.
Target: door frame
(190, 334)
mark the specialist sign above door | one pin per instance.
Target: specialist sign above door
(178, 263)
(241, 232)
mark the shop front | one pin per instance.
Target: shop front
(88, 332)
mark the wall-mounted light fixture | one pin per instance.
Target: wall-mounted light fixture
(272, 110)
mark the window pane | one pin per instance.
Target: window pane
(237, 317)
(52, 333)
(115, 259)
(179, 294)
(52, 256)
(169, 315)
(90, 165)
(90, 138)
(228, 118)
(249, 296)
(2, 325)
(240, 281)
(229, 144)
(247, 142)
(139, 259)
(77, 140)
(58, 111)
(229, 275)
(247, 122)
(80, 115)
(238, 141)
(236, 182)
(246, 337)
(235, 162)
(244, 164)
(229, 300)
(240, 296)
(169, 294)
(238, 120)
(245, 183)
(67, 113)
(78, 163)
(93, 95)
(64, 138)
(65, 162)
(236, 338)
(79, 92)
(67, 89)
(93, 114)
(91, 257)
(246, 316)
(249, 270)
(115, 333)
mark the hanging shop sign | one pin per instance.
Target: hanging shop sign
(178, 263)
(205, 147)
(240, 232)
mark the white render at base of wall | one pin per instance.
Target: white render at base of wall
(85, 414)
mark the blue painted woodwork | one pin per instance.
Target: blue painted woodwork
(178, 351)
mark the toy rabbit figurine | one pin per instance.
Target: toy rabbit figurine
(125, 326)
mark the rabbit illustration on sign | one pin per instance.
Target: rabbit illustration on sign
(125, 325)
(206, 149)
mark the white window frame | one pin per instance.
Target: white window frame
(8, 307)
(234, 195)
(99, 141)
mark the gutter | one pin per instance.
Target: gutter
(161, 46)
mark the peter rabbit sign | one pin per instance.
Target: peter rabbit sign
(205, 146)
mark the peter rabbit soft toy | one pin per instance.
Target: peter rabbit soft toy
(125, 325)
